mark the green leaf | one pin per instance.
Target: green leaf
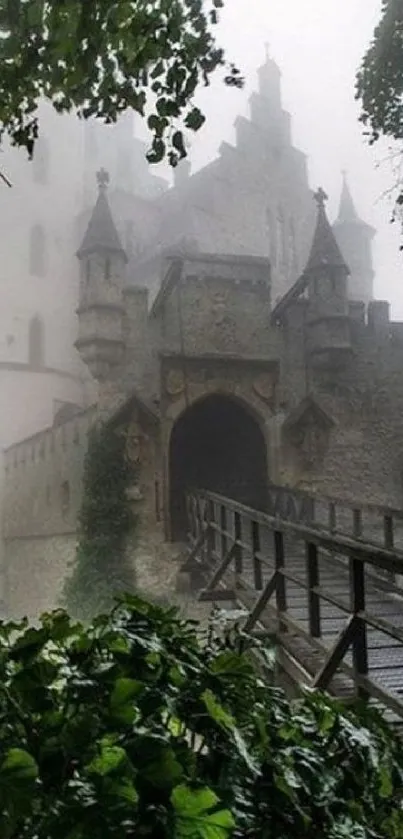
(194, 816)
(216, 710)
(110, 759)
(224, 719)
(386, 786)
(18, 768)
(124, 690)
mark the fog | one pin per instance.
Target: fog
(309, 383)
(318, 46)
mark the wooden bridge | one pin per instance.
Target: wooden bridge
(321, 576)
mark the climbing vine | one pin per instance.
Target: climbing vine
(101, 568)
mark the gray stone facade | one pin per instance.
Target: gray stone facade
(233, 355)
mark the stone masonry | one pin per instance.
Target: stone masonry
(218, 379)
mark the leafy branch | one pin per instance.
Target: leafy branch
(100, 57)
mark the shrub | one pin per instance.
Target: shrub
(135, 726)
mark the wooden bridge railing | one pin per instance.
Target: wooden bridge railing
(372, 522)
(262, 561)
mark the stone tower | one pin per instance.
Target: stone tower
(354, 238)
(102, 278)
(328, 309)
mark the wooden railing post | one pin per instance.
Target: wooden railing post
(238, 546)
(357, 523)
(257, 565)
(279, 559)
(312, 567)
(223, 527)
(359, 643)
(211, 534)
(332, 517)
(389, 539)
(388, 534)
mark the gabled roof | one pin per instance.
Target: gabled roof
(289, 297)
(101, 234)
(308, 407)
(325, 252)
(122, 410)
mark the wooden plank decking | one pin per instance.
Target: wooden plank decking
(381, 667)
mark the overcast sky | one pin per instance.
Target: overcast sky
(318, 45)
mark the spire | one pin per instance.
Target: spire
(269, 78)
(347, 211)
(325, 251)
(101, 234)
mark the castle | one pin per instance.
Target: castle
(229, 329)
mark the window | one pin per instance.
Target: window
(65, 497)
(40, 161)
(37, 254)
(107, 268)
(36, 351)
(271, 241)
(129, 238)
(293, 247)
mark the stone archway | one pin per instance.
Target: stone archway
(218, 445)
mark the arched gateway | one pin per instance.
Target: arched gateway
(216, 444)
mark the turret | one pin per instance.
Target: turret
(326, 273)
(266, 107)
(354, 238)
(101, 305)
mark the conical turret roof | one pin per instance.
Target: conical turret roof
(101, 235)
(325, 251)
(347, 211)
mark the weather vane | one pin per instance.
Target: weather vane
(103, 178)
(320, 197)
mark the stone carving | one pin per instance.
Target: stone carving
(307, 429)
(224, 331)
(175, 382)
(134, 444)
(311, 441)
(264, 386)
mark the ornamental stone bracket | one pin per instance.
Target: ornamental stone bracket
(264, 386)
(174, 382)
(307, 429)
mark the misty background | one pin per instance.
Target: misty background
(318, 46)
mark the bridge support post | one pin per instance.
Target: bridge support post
(279, 560)
(359, 644)
(312, 566)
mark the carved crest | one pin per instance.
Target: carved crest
(264, 386)
(134, 444)
(307, 429)
(174, 382)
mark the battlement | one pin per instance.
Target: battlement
(44, 445)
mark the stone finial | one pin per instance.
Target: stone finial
(320, 197)
(267, 50)
(103, 179)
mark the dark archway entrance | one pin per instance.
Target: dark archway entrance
(217, 445)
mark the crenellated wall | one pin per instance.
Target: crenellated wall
(42, 480)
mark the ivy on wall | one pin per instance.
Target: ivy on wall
(101, 568)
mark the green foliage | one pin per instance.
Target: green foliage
(380, 79)
(99, 57)
(135, 726)
(380, 85)
(101, 569)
